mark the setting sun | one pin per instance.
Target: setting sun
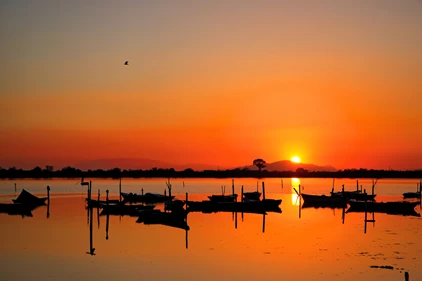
(295, 159)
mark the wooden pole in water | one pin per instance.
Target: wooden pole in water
(282, 186)
(107, 224)
(366, 213)
(357, 185)
(241, 195)
(142, 191)
(299, 190)
(107, 196)
(263, 191)
(263, 223)
(300, 206)
(342, 190)
(361, 188)
(98, 196)
(48, 201)
(233, 187)
(120, 190)
(406, 276)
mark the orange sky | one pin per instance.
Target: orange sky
(214, 82)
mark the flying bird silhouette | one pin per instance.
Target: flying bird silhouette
(126, 62)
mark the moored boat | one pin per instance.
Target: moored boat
(17, 209)
(409, 195)
(252, 206)
(27, 198)
(400, 207)
(309, 198)
(145, 198)
(355, 195)
(254, 195)
(223, 198)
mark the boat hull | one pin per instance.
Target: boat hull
(322, 199)
(397, 208)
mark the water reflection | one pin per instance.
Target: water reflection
(295, 196)
(91, 246)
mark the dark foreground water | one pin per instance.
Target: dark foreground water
(297, 244)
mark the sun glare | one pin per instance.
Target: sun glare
(295, 159)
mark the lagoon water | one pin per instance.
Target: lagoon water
(297, 244)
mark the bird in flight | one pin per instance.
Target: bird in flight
(126, 62)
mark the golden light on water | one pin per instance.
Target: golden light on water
(295, 197)
(295, 159)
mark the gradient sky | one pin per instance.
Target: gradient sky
(217, 82)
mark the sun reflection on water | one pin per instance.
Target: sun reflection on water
(295, 197)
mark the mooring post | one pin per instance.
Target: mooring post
(120, 191)
(142, 191)
(263, 223)
(48, 201)
(366, 210)
(107, 223)
(107, 196)
(406, 276)
(48, 194)
(263, 191)
(299, 190)
(357, 185)
(342, 190)
(233, 187)
(98, 196)
(282, 186)
(241, 195)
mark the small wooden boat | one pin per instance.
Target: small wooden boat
(409, 195)
(308, 198)
(98, 203)
(122, 210)
(331, 205)
(17, 209)
(27, 198)
(145, 198)
(254, 195)
(174, 205)
(173, 219)
(396, 208)
(252, 206)
(223, 198)
(355, 195)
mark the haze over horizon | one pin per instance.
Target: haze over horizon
(212, 82)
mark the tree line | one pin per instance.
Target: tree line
(70, 172)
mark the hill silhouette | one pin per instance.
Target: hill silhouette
(287, 165)
(146, 164)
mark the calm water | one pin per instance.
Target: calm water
(307, 244)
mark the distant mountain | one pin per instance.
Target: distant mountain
(138, 164)
(287, 165)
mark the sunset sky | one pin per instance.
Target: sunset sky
(218, 82)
